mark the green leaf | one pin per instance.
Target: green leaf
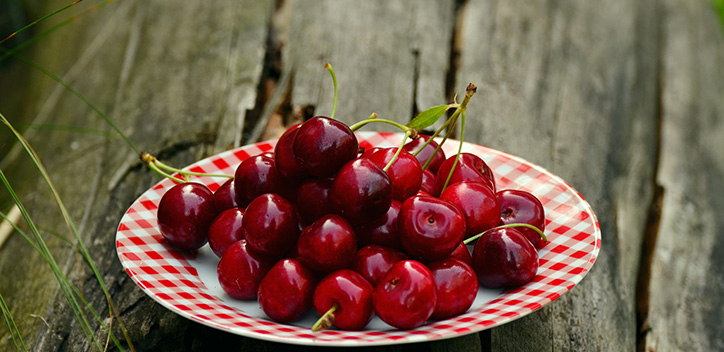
(428, 117)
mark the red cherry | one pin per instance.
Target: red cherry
(405, 173)
(284, 158)
(185, 213)
(477, 202)
(470, 167)
(225, 230)
(285, 292)
(415, 144)
(328, 244)
(241, 269)
(430, 228)
(504, 258)
(313, 199)
(323, 145)
(350, 294)
(270, 225)
(374, 261)
(258, 175)
(463, 253)
(225, 196)
(361, 191)
(429, 181)
(382, 231)
(456, 287)
(518, 206)
(405, 297)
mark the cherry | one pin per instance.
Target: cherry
(518, 206)
(382, 231)
(463, 253)
(477, 202)
(225, 230)
(415, 145)
(285, 293)
(405, 172)
(429, 181)
(270, 225)
(430, 228)
(322, 145)
(313, 199)
(284, 158)
(328, 244)
(503, 257)
(456, 286)
(185, 213)
(470, 167)
(258, 175)
(373, 261)
(350, 297)
(241, 269)
(361, 191)
(225, 196)
(406, 296)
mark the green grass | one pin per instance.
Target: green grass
(719, 7)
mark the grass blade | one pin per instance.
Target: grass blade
(19, 343)
(41, 20)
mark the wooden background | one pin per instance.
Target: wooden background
(623, 99)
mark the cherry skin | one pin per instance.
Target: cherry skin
(430, 228)
(286, 291)
(456, 286)
(328, 244)
(361, 191)
(322, 145)
(185, 213)
(518, 206)
(437, 160)
(429, 181)
(225, 230)
(504, 258)
(284, 158)
(405, 173)
(270, 225)
(313, 199)
(258, 175)
(241, 269)
(225, 196)
(350, 294)
(382, 231)
(477, 202)
(373, 261)
(462, 253)
(406, 296)
(470, 167)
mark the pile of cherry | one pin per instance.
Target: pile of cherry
(320, 223)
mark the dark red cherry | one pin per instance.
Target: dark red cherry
(438, 158)
(258, 175)
(241, 269)
(429, 181)
(382, 231)
(361, 191)
(504, 258)
(286, 162)
(328, 244)
(405, 173)
(470, 167)
(225, 230)
(374, 261)
(285, 293)
(430, 228)
(225, 196)
(185, 213)
(463, 253)
(477, 202)
(270, 225)
(323, 145)
(350, 293)
(518, 206)
(456, 285)
(406, 296)
(313, 199)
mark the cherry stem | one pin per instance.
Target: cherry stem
(397, 153)
(373, 118)
(473, 238)
(329, 68)
(460, 150)
(161, 168)
(326, 321)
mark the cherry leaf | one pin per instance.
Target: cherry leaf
(428, 117)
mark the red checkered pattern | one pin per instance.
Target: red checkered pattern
(171, 278)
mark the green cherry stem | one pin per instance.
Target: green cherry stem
(473, 238)
(397, 153)
(161, 168)
(326, 320)
(460, 150)
(404, 128)
(329, 68)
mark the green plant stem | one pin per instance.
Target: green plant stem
(358, 125)
(329, 68)
(163, 166)
(326, 320)
(41, 20)
(460, 149)
(397, 153)
(473, 238)
(12, 327)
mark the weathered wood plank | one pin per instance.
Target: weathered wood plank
(686, 293)
(572, 86)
